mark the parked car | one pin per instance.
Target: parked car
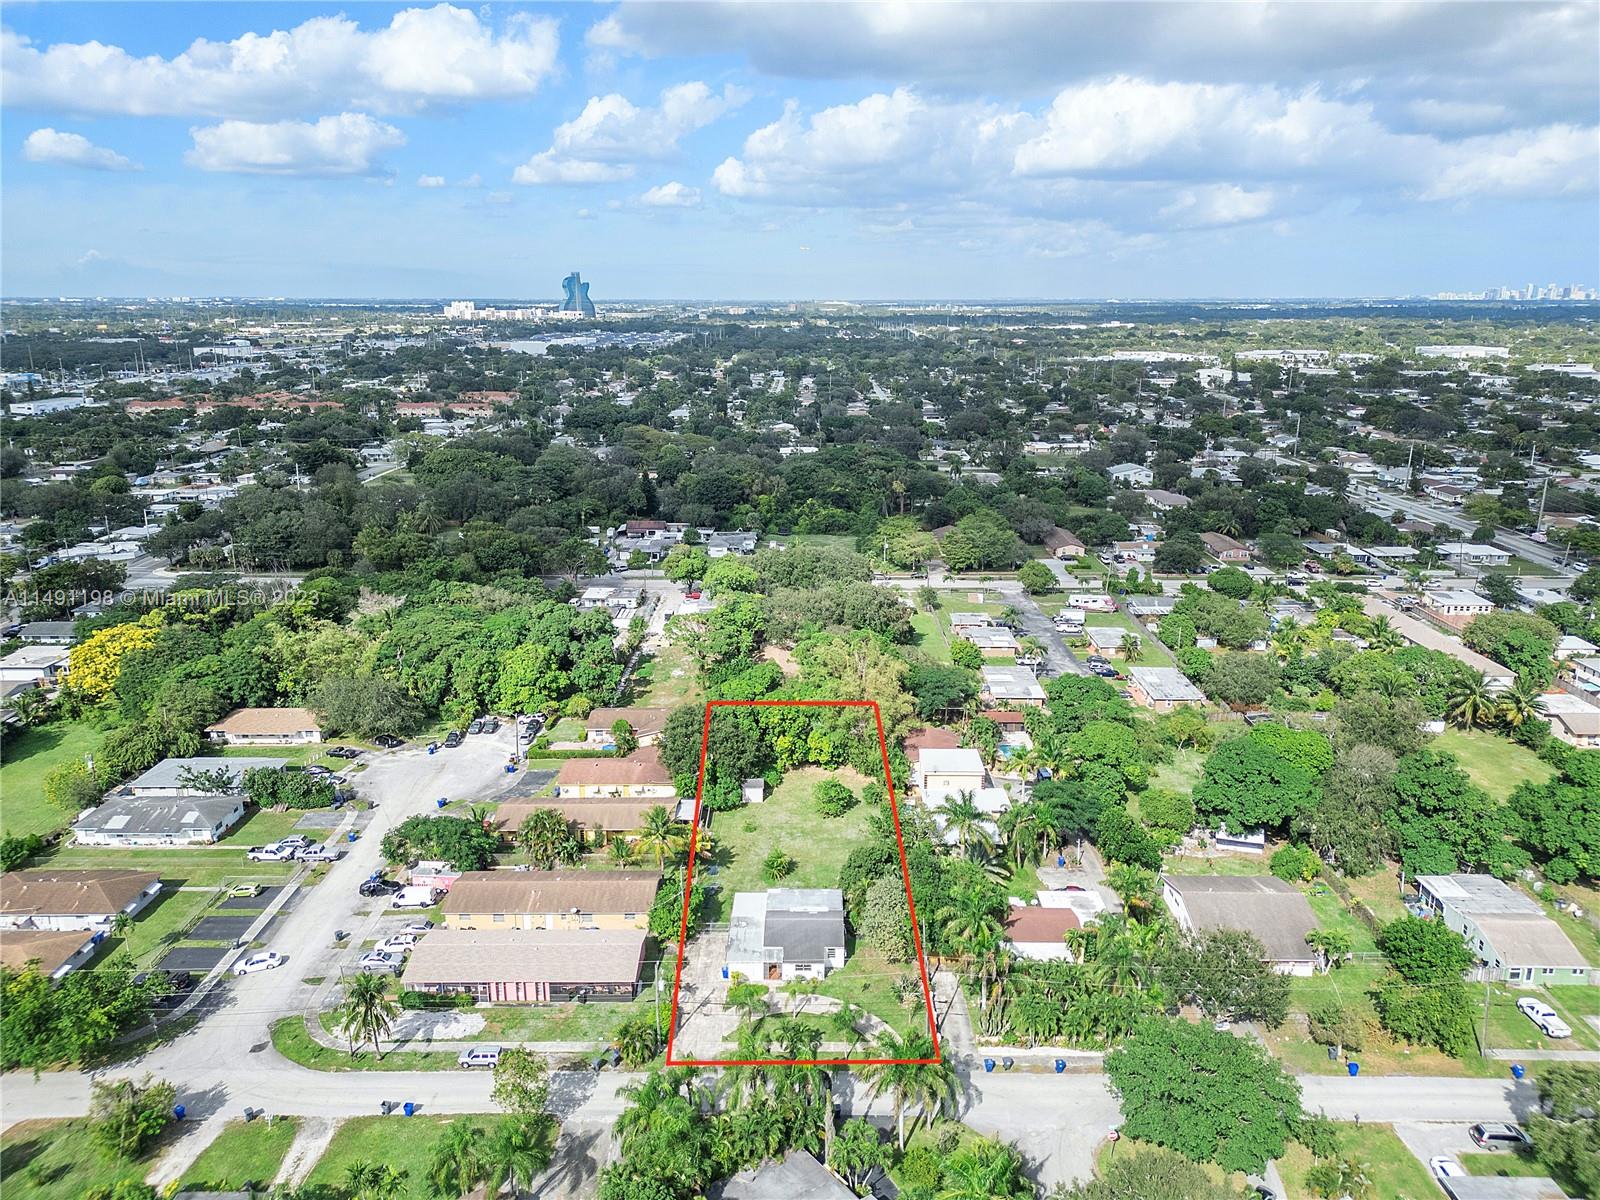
(344, 752)
(245, 891)
(452, 739)
(479, 1056)
(491, 724)
(380, 887)
(1497, 1135)
(380, 960)
(417, 896)
(416, 928)
(397, 943)
(317, 771)
(388, 741)
(272, 852)
(265, 961)
(320, 854)
(1545, 1017)
(295, 839)
(1445, 1167)
(475, 725)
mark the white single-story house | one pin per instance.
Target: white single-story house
(786, 933)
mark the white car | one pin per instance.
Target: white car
(380, 960)
(295, 839)
(416, 928)
(1545, 1017)
(398, 944)
(1445, 1167)
(265, 961)
(319, 854)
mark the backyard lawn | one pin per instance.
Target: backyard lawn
(404, 1143)
(27, 758)
(245, 1152)
(1395, 1172)
(867, 980)
(1150, 653)
(55, 1160)
(666, 679)
(788, 820)
(1181, 774)
(1496, 764)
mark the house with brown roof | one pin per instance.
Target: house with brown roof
(551, 900)
(57, 953)
(43, 899)
(1224, 549)
(593, 816)
(648, 724)
(934, 738)
(1063, 543)
(267, 727)
(1036, 932)
(516, 966)
(638, 776)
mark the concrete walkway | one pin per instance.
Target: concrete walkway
(193, 1138)
(311, 1138)
(1585, 1056)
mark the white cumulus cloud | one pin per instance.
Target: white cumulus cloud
(423, 57)
(430, 181)
(347, 144)
(671, 195)
(73, 150)
(612, 135)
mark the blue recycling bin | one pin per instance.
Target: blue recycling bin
(1061, 860)
(988, 1065)
(440, 802)
(433, 747)
(410, 1109)
(1517, 1071)
(724, 972)
(351, 836)
(511, 768)
(178, 1111)
(1354, 1068)
(1061, 1065)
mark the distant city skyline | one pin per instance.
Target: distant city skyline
(711, 151)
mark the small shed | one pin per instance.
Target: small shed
(754, 790)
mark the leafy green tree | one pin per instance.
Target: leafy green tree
(1521, 641)
(684, 563)
(16, 851)
(1148, 1174)
(1209, 1095)
(44, 1022)
(1424, 951)
(1181, 554)
(457, 1165)
(1338, 1025)
(1242, 678)
(1434, 1014)
(521, 1082)
(941, 692)
(546, 837)
(965, 655)
(365, 706)
(985, 1170)
(1231, 582)
(1392, 723)
(885, 921)
(1560, 819)
(1345, 822)
(516, 1152)
(1167, 814)
(1250, 782)
(1295, 864)
(72, 787)
(832, 798)
(125, 1117)
(1566, 1134)
(637, 1043)
(1225, 973)
(460, 841)
(981, 541)
(1036, 578)
(1443, 822)
(1123, 840)
(1468, 701)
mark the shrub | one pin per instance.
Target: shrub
(776, 865)
(1294, 864)
(833, 798)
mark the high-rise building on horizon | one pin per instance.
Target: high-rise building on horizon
(577, 295)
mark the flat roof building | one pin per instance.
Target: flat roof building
(1506, 929)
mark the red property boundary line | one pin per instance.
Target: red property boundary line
(905, 874)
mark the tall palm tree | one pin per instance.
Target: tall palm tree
(983, 1170)
(1026, 831)
(966, 820)
(1469, 702)
(457, 1165)
(368, 1011)
(516, 1152)
(1382, 635)
(546, 838)
(1520, 703)
(930, 1087)
(661, 833)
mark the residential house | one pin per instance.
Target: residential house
(57, 901)
(1039, 933)
(175, 776)
(920, 740)
(1064, 544)
(1456, 607)
(796, 1176)
(993, 641)
(1506, 929)
(1274, 912)
(551, 900)
(267, 727)
(1107, 639)
(1011, 685)
(1573, 720)
(648, 724)
(1149, 609)
(48, 633)
(1132, 474)
(1224, 549)
(1586, 674)
(1473, 554)
(939, 774)
(961, 622)
(132, 823)
(1420, 633)
(33, 664)
(599, 818)
(1161, 500)
(56, 952)
(518, 966)
(1162, 688)
(639, 775)
(786, 933)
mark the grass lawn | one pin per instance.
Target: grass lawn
(25, 759)
(666, 679)
(245, 1152)
(1518, 1164)
(931, 638)
(298, 756)
(1585, 930)
(1510, 1030)
(1182, 773)
(1395, 1172)
(867, 981)
(1496, 764)
(1331, 913)
(405, 1143)
(1216, 864)
(55, 1160)
(1380, 892)
(596, 1023)
(787, 820)
(291, 1039)
(1150, 654)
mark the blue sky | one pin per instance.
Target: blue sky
(833, 151)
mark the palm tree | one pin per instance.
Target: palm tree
(457, 1165)
(1520, 703)
(983, 1170)
(1382, 635)
(546, 838)
(1334, 945)
(661, 832)
(929, 1086)
(368, 1011)
(365, 1180)
(621, 852)
(966, 820)
(1026, 830)
(1469, 702)
(30, 707)
(516, 1152)
(636, 1041)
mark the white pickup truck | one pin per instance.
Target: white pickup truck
(271, 852)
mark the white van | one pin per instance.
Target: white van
(479, 1056)
(416, 896)
(1091, 602)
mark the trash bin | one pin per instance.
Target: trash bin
(351, 836)
(178, 1111)
(440, 802)
(1516, 1071)
(410, 1108)
(1008, 1063)
(1061, 1065)
(1354, 1068)
(988, 1064)
(724, 972)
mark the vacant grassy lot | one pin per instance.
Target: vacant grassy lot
(1380, 892)
(666, 680)
(1496, 764)
(1181, 774)
(55, 1160)
(596, 1023)
(1510, 1030)
(27, 758)
(787, 821)
(245, 1152)
(1331, 913)
(291, 1039)
(1395, 1172)
(405, 1143)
